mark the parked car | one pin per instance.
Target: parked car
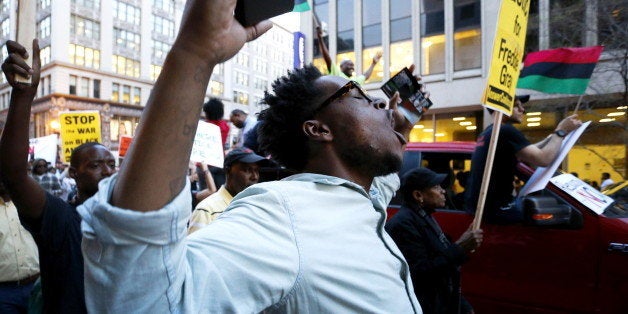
(564, 258)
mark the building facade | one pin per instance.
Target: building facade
(450, 42)
(105, 55)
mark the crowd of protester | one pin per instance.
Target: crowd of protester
(196, 238)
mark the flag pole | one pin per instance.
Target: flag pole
(488, 169)
(578, 104)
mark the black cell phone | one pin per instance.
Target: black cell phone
(413, 102)
(251, 12)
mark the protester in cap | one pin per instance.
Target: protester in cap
(346, 67)
(241, 171)
(433, 259)
(54, 223)
(244, 122)
(512, 147)
(46, 180)
(19, 259)
(310, 243)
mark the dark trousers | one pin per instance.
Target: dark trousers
(14, 298)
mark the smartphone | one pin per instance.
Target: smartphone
(413, 102)
(251, 12)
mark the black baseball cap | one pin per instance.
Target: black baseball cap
(421, 178)
(523, 98)
(244, 155)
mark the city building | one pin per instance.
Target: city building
(450, 42)
(105, 56)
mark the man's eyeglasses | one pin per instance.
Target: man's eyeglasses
(343, 91)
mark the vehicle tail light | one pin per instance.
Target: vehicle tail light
(543, 216)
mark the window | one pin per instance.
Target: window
(126, 39)
(137, 96)
(154, 71)
(321, 7)
(164, 5)
(219, 69)
(5, 28)
(41, 4)
(84, 28)
(120, 125)
(73, 82)
(216, 88)
(43, 28)
(160, 49)
(565, 30)
(84, 56)
(126, 13)
(467, 35)
(44, 55)
(432, 37)
(115, 92)
(44, 85)
(126, 94)
(163, 26)
(372, 38)
(125, 66)
(259, 65)
(84, 87)
(242, 59)
(4, 5)
(96, 91)
(91, 4)
(261, 83)
(401, 50)
(240, 97)
(345, 28)
(241, 78)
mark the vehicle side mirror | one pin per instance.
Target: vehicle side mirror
(545, 211)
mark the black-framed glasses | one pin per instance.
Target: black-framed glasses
(343, 91)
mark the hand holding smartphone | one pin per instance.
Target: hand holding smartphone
(251, 12)
(413, 102)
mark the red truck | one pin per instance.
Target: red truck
(564, 258)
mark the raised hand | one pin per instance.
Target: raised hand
(210, 31)
(14, 65)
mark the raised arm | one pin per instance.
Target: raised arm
(29, 197)
(323, 47)
(209, 35)
(543, 153)
(369, 71)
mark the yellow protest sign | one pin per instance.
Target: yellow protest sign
(78, 127)
(508, 49)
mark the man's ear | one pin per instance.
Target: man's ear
(317, 131)
(72, 172)
(417, 196)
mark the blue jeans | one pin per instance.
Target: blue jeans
(14, 298)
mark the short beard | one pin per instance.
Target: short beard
(370, 161)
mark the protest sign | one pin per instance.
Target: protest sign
(582, 192)
(125, 143)
(208, 145)
(26, 30)
(542, 175)
(78, 127)
(508, 47)
(499, 93)
(43, 147)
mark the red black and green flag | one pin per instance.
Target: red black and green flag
(559, 71)
(301, 6)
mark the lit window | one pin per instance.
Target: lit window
(84, 28)
(44, 55)
(126, 94)
(240, 97)
(432, 37)
(467, 35)
(84, 87)
(126, 39)
(125, 66)
(216, 88)
(43, 28)
(83, 56)
(154, 71)
(137, 96)
(115, 92)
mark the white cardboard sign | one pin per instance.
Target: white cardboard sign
(208, 145)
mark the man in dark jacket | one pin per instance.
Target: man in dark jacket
(434, 261)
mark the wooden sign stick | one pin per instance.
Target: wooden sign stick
(26, 24)
(488, 168)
